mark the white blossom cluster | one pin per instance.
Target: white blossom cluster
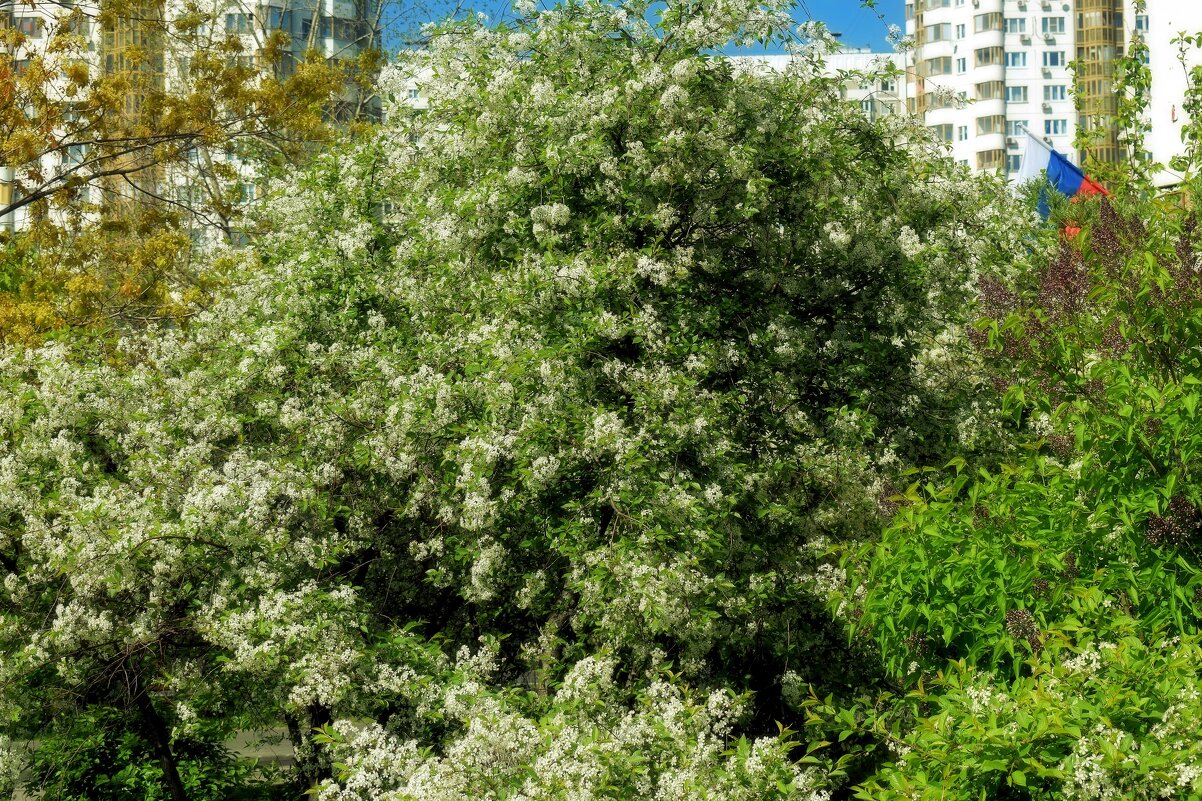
(668, 746)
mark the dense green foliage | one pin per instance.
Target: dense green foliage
(100, 755)
(1043, 616)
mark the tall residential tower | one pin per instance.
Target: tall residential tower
(983, 72)
(986, 71)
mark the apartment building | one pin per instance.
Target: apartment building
(1163, 24)
(984, 72)
(147, 47)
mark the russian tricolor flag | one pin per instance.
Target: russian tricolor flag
(1064, 176)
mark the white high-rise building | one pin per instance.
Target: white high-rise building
(1162, 25)
(983, 72)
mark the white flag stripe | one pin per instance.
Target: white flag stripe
(1036, 159)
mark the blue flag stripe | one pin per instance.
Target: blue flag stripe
(1064, 175)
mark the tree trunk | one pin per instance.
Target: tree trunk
(312, 759)
(161, 738)
(320, 715)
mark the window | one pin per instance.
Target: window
(1053, 25)
(1055, 127)
(279, 19)
(73, 155)
(938, 66)
(237, 23)
(1014, 162)
(349, 30)
(936, 100)
(987, 22)
(1016, 59)
(1016, 25)
(414, 94)
(929, 4)
(1016, 94)
(29, 26)
(943, 132)
(961, 66)
(990, 90)
(1054, 58)
(1141, 23)
(190, 193)
(987, 56)
(962, 133)
(287, 64)
(937, 33)
(1053, 92)
(1016, 127)
(990, 159)
(909, 11)
(961, 31)
(995, 123)
(889, 85)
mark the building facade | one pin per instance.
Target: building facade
(1163, 24)
(984, 72)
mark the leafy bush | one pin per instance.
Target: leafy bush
(1107, 720)
(101, 756)
(1044, 616)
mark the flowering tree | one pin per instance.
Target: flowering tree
(530, 424)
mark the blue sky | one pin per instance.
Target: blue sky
(859, 26)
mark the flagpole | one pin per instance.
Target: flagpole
(1041, 143)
